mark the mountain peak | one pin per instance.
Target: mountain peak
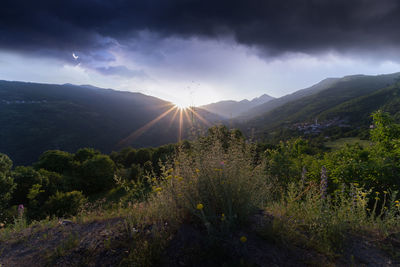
(231, 108)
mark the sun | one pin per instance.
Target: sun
(182, 104)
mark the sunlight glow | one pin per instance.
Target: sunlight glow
(180, 114)
(181, 104)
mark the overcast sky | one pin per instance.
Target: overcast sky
(197, 51)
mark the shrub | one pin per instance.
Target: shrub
(97, 174)
(7, 185)
(303, 216)
(85, 153)
(65, 204)
(56, 161)
(215, 183)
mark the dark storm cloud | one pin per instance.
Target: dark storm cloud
(276, 26)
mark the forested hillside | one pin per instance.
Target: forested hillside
(39, 117)
(345, 103)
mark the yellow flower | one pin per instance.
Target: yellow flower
(158, 189)
(355, 184)
(197, 170)
(363, 194)
(179, 195)
(170, 170)
(199, 206)
(168, 177)
(397, 205)
(385, 192)
(223, 217)
(376, 198)
(180, 178)
(377, 193)
(218, 170)
(243, 239)
(397, 201)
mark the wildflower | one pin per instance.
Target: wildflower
(397, 201)
(197, 170)
(199, 206)
(397, 205)
(168, 177)
(223, 217)
(217, 170)
(243, 239)
(158, 189)
(377, 193)
(385, 192)
(355, 184)
(376, 198)
(222, 163)
(170, 170)
(176, 162)
(21, 210)
(179, 195)
(364, 194)
(154, 179)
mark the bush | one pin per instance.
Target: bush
(7, 185)
(215, 182)
(304, 216)
(97, 174)
(56, 161)
(85, 153)
(65, 204)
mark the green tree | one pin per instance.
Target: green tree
(56, 161)
(97, 174)
(25, 178)
(65, 204)
(7, 184)
(85, 153)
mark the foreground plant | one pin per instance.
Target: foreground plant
(323, 222)
(216, 183)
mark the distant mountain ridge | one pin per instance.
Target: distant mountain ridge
(274, 103)
(37, 117)
(351, 98)
(231, 108)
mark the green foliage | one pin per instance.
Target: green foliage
(84, 154)
(5, 163)
(97, 174)
(25, 178)
(385, 131)
(303, 217)
(285, 162)
(56, 161)
(65, 204)
(215, 182)
(7, 185)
